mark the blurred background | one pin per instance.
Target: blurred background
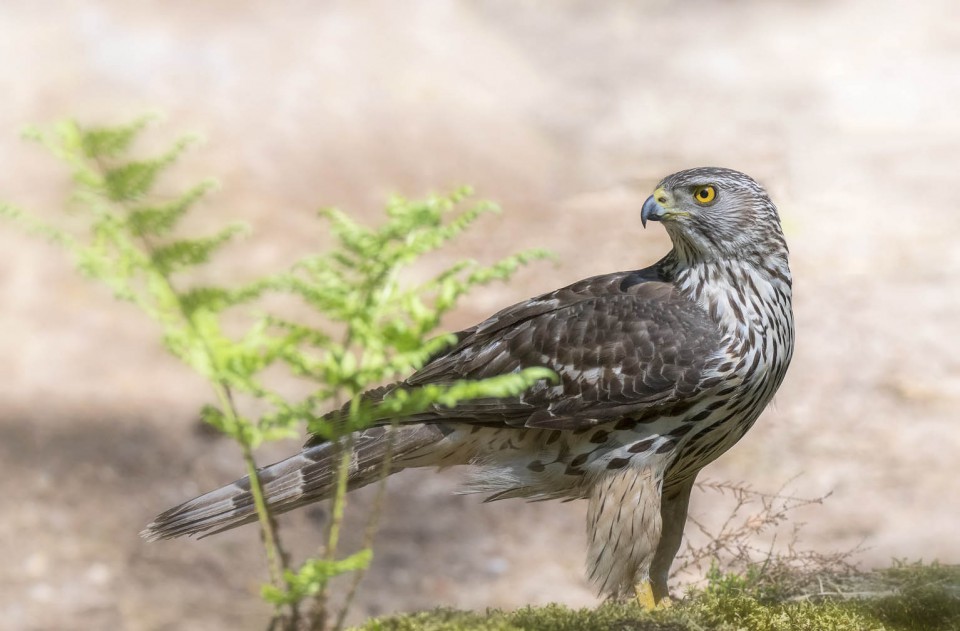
(846, 110)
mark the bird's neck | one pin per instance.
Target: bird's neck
(746, 295)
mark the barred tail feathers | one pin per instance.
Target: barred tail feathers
(299, 480)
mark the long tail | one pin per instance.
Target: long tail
(302, 479)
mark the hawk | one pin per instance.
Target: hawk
(660, 371)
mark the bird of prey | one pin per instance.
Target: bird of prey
(660, 371)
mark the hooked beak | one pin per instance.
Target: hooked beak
(652, 211)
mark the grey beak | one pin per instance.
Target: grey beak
(652, 211)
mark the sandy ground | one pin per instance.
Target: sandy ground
(846, 110)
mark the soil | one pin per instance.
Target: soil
(846, 110)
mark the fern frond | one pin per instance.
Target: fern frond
(178, 255)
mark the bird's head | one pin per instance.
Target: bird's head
(715, 213)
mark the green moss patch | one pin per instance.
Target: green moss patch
(903, 598)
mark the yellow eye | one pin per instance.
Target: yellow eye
(703, 195)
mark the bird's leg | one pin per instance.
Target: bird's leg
(673, 514)
(623, 527)
(644, 593)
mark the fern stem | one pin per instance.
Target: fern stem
(264, 516)
(276, 561)
(337, 507)
(373, 524)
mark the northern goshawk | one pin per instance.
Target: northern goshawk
(661, 370)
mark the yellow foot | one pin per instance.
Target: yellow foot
(645, 597)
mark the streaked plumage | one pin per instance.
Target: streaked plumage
(661, 370)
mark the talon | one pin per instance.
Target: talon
(647, 600)
(645, 597)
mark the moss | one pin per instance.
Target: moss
(441, 620)
(746, 612)
(617, 617)
(612, 617)
(903, 598)
(924, 597)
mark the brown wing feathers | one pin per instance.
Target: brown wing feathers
(616, 350)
